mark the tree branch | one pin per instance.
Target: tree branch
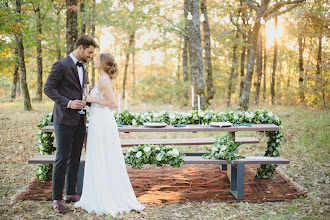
(181, 32)
(254, 6)
(278, 5)
(282, 12)
(237, 26)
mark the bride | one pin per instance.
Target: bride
(107, 188)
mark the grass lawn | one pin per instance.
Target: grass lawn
(306, 145)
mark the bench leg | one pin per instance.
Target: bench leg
(80, 178)
(237, 180)
(223, 166)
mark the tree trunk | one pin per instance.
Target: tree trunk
(39, 57)
(265, 63)
(93, 35)
(133, 61)
(301, 69)
(15, 76)
(83, 22)
(242, 68)
(272, 88)
(19, 40)
(71, 25)
(185, 58)
(259, 72)
(207, 58)
(131, 39)
(253, 41)
(319, 56)
(195, 52)
(58, 37)
(232, 72)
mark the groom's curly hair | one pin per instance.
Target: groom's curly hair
(86, 41)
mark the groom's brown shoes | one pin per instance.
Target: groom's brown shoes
(58, 206)
(69, 199)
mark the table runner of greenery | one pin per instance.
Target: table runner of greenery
(263, 116)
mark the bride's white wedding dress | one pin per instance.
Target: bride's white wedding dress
(107, 188)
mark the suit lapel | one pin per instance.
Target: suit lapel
(74, 71)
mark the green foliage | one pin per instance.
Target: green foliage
(224, 149)
(193, 117)
(45, 146)
(156, 155)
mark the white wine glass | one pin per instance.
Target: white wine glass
(84, 97)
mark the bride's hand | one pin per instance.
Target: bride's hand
(89, 99)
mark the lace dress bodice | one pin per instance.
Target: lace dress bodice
(96, 93)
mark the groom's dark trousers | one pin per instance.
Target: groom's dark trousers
(69, 141)
(63, 85)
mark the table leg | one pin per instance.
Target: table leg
(80, 178)
(237, 180)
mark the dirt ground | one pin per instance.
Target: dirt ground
(307, 147)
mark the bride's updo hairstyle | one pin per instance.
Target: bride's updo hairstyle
(109, 64)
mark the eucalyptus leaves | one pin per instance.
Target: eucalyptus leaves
(156, 155)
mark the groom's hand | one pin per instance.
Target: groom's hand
(77, 104)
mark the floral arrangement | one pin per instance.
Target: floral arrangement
(224, 148)
(262, 116)
(156, 155)
(45, 146)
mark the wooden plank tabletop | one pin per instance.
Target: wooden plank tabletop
(189, 128)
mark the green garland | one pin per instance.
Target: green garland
(156, 155)
(128, 118)
(45, 146)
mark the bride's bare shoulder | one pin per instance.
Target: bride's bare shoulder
(105, 82)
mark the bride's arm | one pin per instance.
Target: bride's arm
(108, 93)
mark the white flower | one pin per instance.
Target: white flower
(159, 157)
(39, 171)
(148, 117)
(175, 152)
(147, 149)
(189, 114)
(270, 114)
(156, 115)
(214, 149)
(277, 140)
(134, 123)
(170, 153)
(223, 147)
(138, 154)
(236, 117)
(157, 148)
(172, 116)
(201, 114)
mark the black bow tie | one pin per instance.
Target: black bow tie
(79, 64)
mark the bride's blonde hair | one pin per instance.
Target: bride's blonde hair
(109, 64)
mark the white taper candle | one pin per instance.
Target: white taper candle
(118, 102)
(192, 96)
(199, 103)
(125, 100)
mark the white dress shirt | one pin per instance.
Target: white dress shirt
(80, 73)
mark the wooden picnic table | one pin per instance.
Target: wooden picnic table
(235, 171)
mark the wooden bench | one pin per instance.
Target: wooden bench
(235, 171)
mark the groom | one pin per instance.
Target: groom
(64, 86)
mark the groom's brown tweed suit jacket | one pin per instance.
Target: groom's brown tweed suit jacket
(63, 85)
